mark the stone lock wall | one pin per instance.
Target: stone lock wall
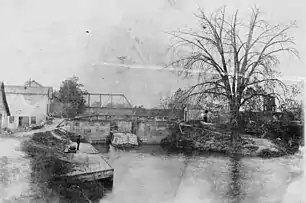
(92, 131)
(149, 131)
(152, 132)
(124, 126)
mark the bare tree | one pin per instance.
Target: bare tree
(165, 99)
(232, 59)
(175, 100)
(291, 104)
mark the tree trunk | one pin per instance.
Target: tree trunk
(234, 113)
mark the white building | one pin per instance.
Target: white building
(28, 104)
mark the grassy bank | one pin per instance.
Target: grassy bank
(48, 161)
(218, 139)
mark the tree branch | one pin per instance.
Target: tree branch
(266, 80)
(258, 95)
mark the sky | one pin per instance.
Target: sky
(47, 41)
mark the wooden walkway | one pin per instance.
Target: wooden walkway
(89, 163)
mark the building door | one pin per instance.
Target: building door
(20, 121)
(23, 121)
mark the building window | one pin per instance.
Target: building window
(33, 120)
(12, 119)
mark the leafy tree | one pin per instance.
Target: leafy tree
(71, 94)
(233, 59)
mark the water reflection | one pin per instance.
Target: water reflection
(234, 192)
(210, 178)
(102, 148)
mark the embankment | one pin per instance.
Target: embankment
(48, 161)
(213, 139)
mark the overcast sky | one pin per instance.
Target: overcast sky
(46, 40)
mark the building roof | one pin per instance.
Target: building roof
(16, 89)
(33, 83)
(4, 103)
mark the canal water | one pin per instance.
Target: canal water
(151, 175)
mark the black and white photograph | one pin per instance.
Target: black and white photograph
(152, 101)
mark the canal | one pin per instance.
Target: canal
(151, 175)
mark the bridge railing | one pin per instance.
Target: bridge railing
(107, 100)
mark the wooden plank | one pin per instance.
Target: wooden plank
(90, 164)
(91, 176)
(89, 169)
(83, 159)
(95, 176)
(96, 169)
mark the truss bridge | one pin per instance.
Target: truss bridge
(110, 106)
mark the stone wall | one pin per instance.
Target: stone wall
(124, 126)
(152, 132)
(92, 131)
